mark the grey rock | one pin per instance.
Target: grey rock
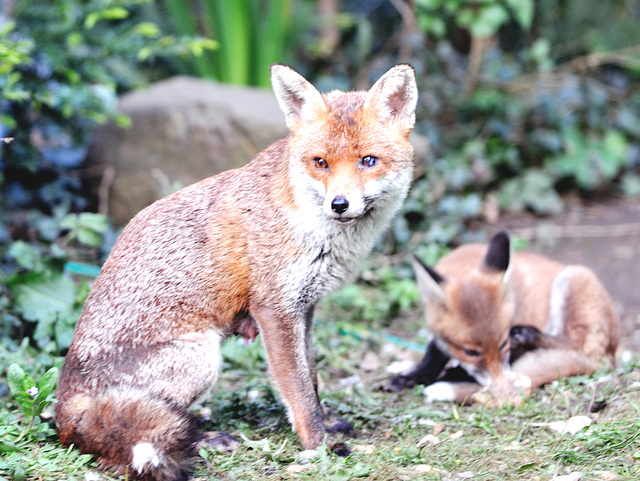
(183, 130)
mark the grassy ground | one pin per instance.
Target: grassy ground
(398, 436)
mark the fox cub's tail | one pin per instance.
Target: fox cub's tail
(150, 439)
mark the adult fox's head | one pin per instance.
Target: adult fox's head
(469, 306)
(349, 151)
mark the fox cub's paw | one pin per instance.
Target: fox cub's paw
(511, 388)
(523, 339)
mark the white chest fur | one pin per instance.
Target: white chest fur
(333, 251)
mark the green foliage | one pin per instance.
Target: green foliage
(532, 190)
(40, 291)
(482, 18)
(62, 64)
(374, 303)
(593, 161)
(250, 35)
(579, 26)
(31, 397)
(52, 301)
(86, 227)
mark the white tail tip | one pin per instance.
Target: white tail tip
(144, 453)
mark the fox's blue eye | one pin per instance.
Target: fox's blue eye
(320, 163)
(369, 161)
(471, 352)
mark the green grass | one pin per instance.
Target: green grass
(474, 442)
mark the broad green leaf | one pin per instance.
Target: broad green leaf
(26, 255)
(63, 329)
(70, 222)
(523, 10)
(43, 298)
(95, 222)
(614, 153)
(47, 384)
(89, 237)
(15, 377)
(6, 447)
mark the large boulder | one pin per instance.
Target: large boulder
(183, 130)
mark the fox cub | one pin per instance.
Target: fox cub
(494, 312)
(247, 251)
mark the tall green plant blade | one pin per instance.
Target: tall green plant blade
(185, 23)
(272, 24)
(232, 25)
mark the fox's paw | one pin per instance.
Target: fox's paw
(341, 449)
(439, 391)
(523, 339)
(512, 388)
(399, 383)
(221, 441)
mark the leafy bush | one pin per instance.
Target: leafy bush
(481, 18)
(530, 127)
(64, 62)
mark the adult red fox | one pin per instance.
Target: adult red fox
(494, 312)
(249, 250)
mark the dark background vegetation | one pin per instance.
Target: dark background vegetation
(526, 105)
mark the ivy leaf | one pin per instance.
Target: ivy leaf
(43, 298)
(26, 255)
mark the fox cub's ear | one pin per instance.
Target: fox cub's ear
(498, 254)
(497, 260)
(394, 97)
(299, 100)
(429, 283)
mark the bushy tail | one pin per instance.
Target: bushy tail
(150, 439)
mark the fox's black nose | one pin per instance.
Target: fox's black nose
(339, 205)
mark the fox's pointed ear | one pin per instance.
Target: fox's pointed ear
(498, 253)
(299, 100)
(498, 257)
(394, 97)
(429, 283)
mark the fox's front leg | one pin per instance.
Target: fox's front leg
(285, 340)
(332, 427)
(308, 347)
